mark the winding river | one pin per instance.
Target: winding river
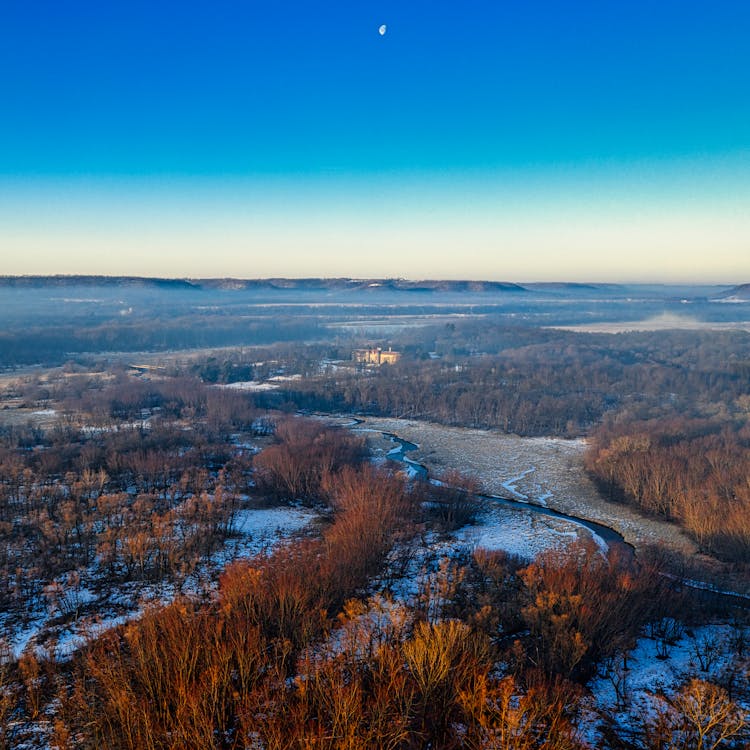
(605, 533)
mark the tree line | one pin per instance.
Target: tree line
(694, 472)
(548, 383)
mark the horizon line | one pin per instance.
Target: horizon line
(409, 279)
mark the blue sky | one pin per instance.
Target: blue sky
(509, 140)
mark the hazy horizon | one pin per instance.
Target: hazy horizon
(522, 282)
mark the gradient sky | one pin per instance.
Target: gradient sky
(504, 140)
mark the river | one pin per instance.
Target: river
(606, 534)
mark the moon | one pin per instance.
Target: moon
(383, 28)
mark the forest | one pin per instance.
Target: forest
(694, 472)
(202, 549)
(307, 642)
(541, 382)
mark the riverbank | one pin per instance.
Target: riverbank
(545, 471)
(549, 472)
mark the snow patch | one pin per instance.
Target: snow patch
(520, 533)
(510, 484)
(249, 385)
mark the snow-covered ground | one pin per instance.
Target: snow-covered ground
(249, 385)
(260, 385)
(707, 653)
(255, 530)
(511, 484)
(259, 529)
(520, 533)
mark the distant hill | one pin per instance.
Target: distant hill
(38, 282)
(282, 284)
(739, 293)
(571, 286)
(369, 285)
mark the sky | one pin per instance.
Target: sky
(519, 141)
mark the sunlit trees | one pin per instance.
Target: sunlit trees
(504, 716)
(694, 472)
(699, 716)
(581, 606)
(305, 454)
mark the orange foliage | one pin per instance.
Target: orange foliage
(693, 472)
